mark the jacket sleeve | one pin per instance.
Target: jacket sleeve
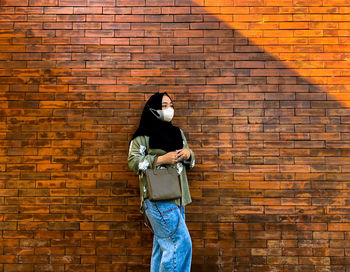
(138, 159)
(191, 161)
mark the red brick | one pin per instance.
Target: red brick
(261, 92)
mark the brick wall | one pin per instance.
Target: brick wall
(261, 89)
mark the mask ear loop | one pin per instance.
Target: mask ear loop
(155, 113)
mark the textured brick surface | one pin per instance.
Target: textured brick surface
(261, 89)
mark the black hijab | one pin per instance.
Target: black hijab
(163, 135)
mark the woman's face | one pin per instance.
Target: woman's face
(166, 102)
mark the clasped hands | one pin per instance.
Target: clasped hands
(174, 156)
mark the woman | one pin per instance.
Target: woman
(157, 143)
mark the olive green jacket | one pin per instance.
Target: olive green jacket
(142, 157)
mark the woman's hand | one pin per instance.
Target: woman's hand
(173, 157)
(168, 158)
(182, 154)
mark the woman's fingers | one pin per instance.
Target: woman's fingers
(172, 157)
(176, 156)
(181, 155)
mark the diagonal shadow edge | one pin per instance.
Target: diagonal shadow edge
(334, 91)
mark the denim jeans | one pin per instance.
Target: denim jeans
(171, 254)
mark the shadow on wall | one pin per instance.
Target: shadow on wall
(269, 143)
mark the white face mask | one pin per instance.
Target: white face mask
(164, 115)
(168, 114)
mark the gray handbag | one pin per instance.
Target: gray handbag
(163, 184)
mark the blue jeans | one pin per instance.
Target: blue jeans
(171, 254)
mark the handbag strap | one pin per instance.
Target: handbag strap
(147, 223)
